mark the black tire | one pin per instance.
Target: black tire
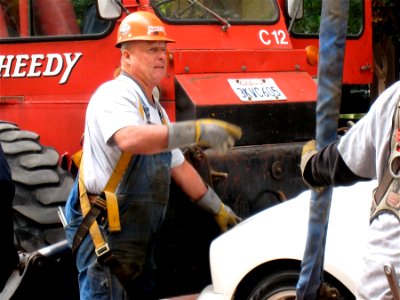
(277, 286)
(281, 285)
(41, 185)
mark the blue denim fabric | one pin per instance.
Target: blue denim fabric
(142, 198)
(334, 16)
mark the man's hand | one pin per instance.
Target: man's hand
(309, 150)
(216, 134)
(226, 218)
(223, 214)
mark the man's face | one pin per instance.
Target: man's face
(147, 61)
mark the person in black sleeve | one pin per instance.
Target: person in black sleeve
(8, 253)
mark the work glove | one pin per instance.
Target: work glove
(211, 133)
(327, 293)
(309, 150)
(223, 214)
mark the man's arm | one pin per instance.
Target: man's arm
(189, 180)
(204, 196)
(327, 168)
(142, 139)
(151, 139)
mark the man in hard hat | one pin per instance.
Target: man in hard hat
(364, 153)
(124, 116)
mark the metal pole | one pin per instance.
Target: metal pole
(392, 280)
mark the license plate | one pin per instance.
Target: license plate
(256, 89)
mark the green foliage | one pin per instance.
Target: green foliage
(80, 7)
(309, 24)
(386, 19)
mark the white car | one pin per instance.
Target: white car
(260, 258)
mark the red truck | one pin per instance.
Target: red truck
(249, 62)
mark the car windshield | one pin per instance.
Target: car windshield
(217, 11)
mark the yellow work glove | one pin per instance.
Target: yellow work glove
(309, 150)
(226, 218)
(212, 133)
(223, 214)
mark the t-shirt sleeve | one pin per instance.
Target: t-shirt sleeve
(117, 110)
(365, 147)
(177, 158)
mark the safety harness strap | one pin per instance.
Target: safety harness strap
(89, 223)
(387, 194)
(107, 201)
(109, 192)
(91, 211)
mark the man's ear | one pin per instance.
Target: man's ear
(126, 55)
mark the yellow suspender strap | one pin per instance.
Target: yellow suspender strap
(109, 191)
(97, 237)
(141, 109)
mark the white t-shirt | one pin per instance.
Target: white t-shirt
(365, 150)
(113, 106)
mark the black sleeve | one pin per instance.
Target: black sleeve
(8, 253)
(327, 168)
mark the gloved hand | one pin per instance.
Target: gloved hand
(226, 217)
(223, 214)
(309, 150)
(327, 293)
(216, 134)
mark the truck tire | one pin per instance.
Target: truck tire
(41, 186)
(281, 285)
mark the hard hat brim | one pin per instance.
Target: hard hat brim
(146, 38)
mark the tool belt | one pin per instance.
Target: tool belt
(387, 194)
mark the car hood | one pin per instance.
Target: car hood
(280, 233)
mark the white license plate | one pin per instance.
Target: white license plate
(256, 89)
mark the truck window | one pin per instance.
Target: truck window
(38, 18)
(201, 11)
(309, 24)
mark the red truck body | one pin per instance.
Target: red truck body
(46, 81)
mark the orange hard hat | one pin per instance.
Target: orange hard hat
(141, 26)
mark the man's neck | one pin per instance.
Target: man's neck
(148, 91)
